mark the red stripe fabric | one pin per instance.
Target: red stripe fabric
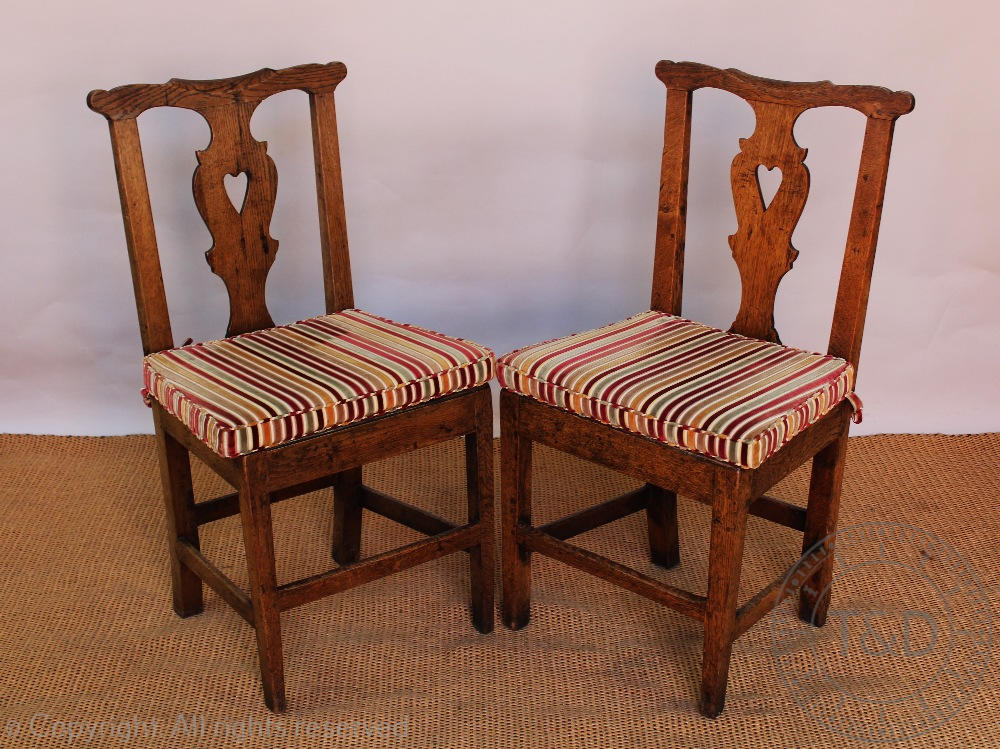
(264, 388)
(690, 385)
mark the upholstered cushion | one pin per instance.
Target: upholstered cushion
(683, 383)
(264, 388)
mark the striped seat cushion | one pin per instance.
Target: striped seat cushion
(264, 388)
(686, 384)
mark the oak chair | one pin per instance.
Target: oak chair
(281, 411)
(716, 416)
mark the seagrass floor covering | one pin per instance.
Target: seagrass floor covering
(88, 641)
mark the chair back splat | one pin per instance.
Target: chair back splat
(762, 246)
(243, 249)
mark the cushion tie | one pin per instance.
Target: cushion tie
(856, 406)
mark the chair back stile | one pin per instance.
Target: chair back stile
(243, 250)
(762, 245)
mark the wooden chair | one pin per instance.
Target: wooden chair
(279, 412)
(693, 410)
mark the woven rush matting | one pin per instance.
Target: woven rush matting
(91, 653)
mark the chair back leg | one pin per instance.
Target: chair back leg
(661, 525)
(347, 516)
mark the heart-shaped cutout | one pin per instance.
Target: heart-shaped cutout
(769, 181)
(237, 186)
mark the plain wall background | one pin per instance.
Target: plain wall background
(501, 171)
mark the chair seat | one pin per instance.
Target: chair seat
(268, 387)
(683, 383)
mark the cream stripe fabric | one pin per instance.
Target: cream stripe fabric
(264, 388)
(730, 397)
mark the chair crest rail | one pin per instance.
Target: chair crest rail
(872, 101)
(128, 102)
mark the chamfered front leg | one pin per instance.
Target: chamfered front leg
(515, 493)
(347, 516)
(725, 558)
(175, 474)
(821, 521)
(479, 483)
(255, 514)
(661, 524)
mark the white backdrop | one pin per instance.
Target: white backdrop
(501, 169)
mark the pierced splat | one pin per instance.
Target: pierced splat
(243, 249)
(762, 245)
(769, 180)
(236, 188)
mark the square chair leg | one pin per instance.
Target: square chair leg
(729, 520)
(479, 485)
(347, 516)
(175, 474)
(821, 520)
(661, 524)
(255, 514)
(515, 491)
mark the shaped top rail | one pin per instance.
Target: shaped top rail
(128, 102)
(872, 101)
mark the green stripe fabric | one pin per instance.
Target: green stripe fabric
(683, 383)
(264, 388)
